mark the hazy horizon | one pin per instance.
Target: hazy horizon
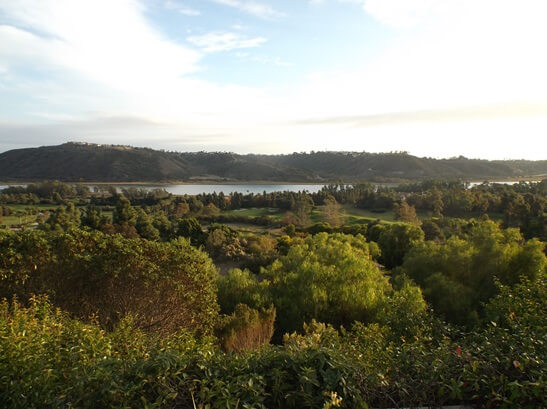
(435, 78)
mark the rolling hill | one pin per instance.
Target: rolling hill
(115, 163)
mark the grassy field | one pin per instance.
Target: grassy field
(257, 212)
(18, 215)
(353, 215)
(23, 207)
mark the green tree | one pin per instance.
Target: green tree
(92, 218)
(144, 226)
(330, 278)
(64, 218)
(458, 276)
(191, 229)
(396, 240)
(332, 212)
(123, 212)
(406, 213)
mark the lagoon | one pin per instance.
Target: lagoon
(191, 189)
(195, 189)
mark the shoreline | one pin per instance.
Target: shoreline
(537, 178)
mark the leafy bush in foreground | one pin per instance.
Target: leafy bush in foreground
(165, 286)
(50, 360)
(246, 328)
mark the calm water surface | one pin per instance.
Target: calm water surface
(197, 189)
(194, 189)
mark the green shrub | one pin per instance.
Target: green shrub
(246, 329)
(165, 286)
(458, 276)
(48, 360)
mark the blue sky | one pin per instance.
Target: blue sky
(436, 78)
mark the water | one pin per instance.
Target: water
(226, 189)
(503, 182)
(5, 186)
(195, 189)
(192, 189)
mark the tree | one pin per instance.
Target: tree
(331, 278)
(144, 226)
(64, 218)
(163, 225)
(302, 209)
(396, 240)
(123, 212)
(92, 218)
(210, 210)
(191, 229)
(332, 211)
(181, 209)
(436, 202)
(458, 276)
(406, 213)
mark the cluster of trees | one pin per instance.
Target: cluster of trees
(50, 192)
(454, 261)
(522, 205)
(330, 278)
(458, 275)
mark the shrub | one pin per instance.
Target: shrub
(165, 286)
(246, 329)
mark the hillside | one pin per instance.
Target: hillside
(112, 163)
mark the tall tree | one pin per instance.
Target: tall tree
(332, 211)
(406, 213)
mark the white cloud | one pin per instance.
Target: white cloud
(255, 8)
(279, 62)
(103, 59)
(180, 8)
(224, 41)
(408, 13)
(107, 41)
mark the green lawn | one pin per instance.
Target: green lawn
(19, 217)
(23, 207)
(11, 220)
(353, 215)
(257, 212)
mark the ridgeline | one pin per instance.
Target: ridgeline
(116, 163)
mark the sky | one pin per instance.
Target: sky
(435, 78)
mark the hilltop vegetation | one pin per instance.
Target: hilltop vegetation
(107, 163)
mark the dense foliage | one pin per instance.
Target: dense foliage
(50, 360)
(457, 276)
(143, 299)
(165, 286)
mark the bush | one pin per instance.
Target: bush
(165, 286)
(458, 276)
(246, 329)
(50, 360)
